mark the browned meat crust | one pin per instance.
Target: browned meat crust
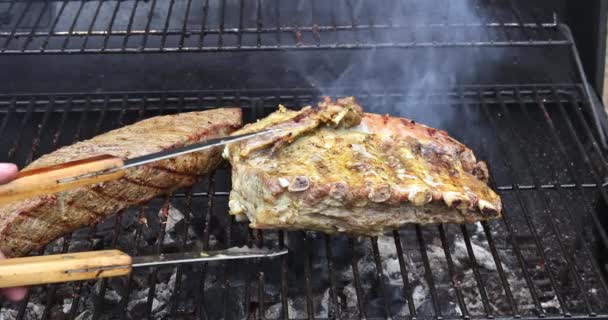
(338, 169)
(30, 224)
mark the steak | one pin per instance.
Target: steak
(30, 224)
(335, 168)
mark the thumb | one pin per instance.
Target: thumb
(8, 171)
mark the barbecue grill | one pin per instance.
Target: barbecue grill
(503, 77)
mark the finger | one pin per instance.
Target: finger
(7, 172)
(14, 294)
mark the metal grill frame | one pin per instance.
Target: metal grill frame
(498, 33)
(562, 95)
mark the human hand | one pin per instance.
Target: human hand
(8, 171)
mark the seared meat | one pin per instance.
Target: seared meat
(337, 169)
(30, 224)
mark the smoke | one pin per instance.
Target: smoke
(422, 51)
(410, 58)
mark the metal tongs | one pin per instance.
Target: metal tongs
(107, 263)
(73, 174)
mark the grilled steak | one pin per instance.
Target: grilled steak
(30, 224)
(337, 169)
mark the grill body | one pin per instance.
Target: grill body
(504, 78)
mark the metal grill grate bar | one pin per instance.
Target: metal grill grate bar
(539, 247)
(159, 245)
(24, 122)
(77, 290)
(501, 272)
(41, 129)
(452, 273)
(201, 311)
(103, 283)
(52, 289)
(310, 310)
(77, 31)
(407, 291)
(476, 273)
(147, 30)
(516, 248)
(90, 30)
(571, 266)
(428, 273)
(184, 239)
(566, 155)
(334, 307)
(357, 280)
(141, 218)
(380, 277)
(284, 290)
(501, 238)
(228, 270)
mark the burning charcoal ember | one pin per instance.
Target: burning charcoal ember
(420, 294)
(169, 241)
(173, 217)
(212, 241)
(163, 291)
(274, 311)
(112, 297)
(443, 283)
(80, 244)
(173, 279)
(174, 231)
(54, 247)
(159, 309)
(143, 221)
(67, 305)
(551, 304)
(445, 306)
(322, 308)
(348, 301)
(140, 279)
(482, 256)
(297, 307)
(127, 242)
(138, 302)
(86, 315)
(32, 311)
(473, 300)
(345, 291)
(455, 307)
(7, 313)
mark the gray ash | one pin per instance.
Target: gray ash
(232, 289)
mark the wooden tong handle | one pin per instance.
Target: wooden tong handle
(41, 181)
(66, 267)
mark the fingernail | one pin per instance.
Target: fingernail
(15, 294)
(8, 167)
(7, 172)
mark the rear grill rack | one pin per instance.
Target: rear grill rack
(541, 261)
(72, 26)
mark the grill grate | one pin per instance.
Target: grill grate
(73, 26)
(541, 260)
